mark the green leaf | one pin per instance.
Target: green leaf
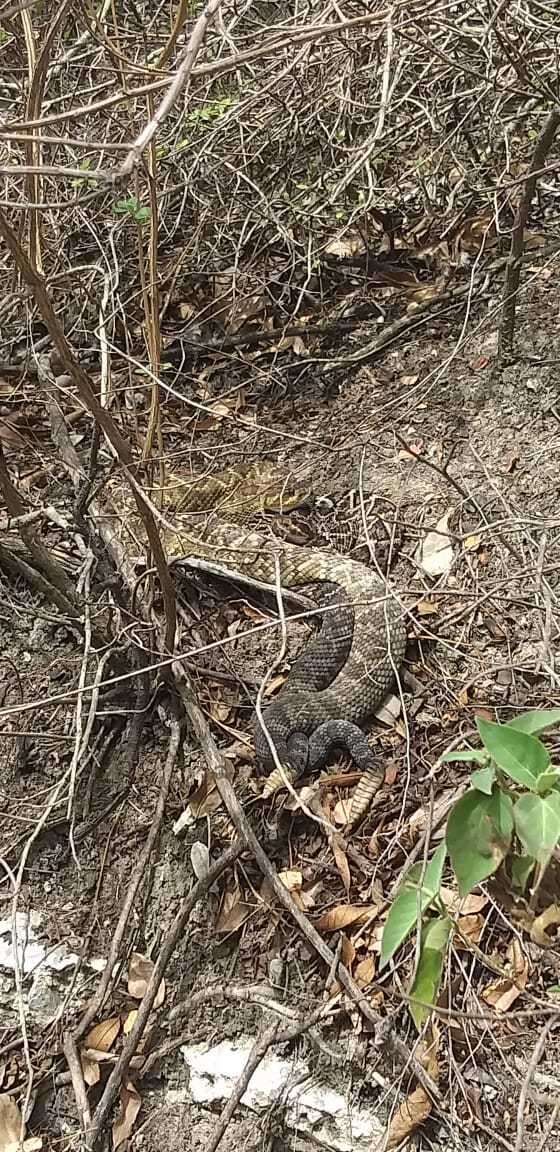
(547, 781)
(466, 754)
(484, 779)
(536, 721)
(521, 868)
(415, 894)
(479, 831)
(537, 823)
(427, 981)
(521, 756)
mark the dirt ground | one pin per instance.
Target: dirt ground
(482, 637)
(238, 234)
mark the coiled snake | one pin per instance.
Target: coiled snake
(344, 674)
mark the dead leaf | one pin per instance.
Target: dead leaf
(416, 449)
(341, 812)
(389, 711)
(364, 971)
(503, 993)
(10, 1123)
(11, 1128)
(478, 232)
(129, 1021)
(469, 931)
(351, 244)
(341, 861)
(298, 346)
(130, 1105)
(10, 437)
(245, 309)
(254, 614)
(347, 951)
(140, 971)
(550, 918)
(91, 1070)
(273, 685)
(292, 879)
(423, 295)
(532, 240)
(205, 800)
(427, 608)
(417, 1107)
(472, 543)
(435, 552)
(234, 912)
(344, 915)
(484, 713)
(391, 774)
(220, 711)
(102, 1036)
(458, 905)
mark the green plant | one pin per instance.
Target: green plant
(84, 164)
(205, 115)
(510, 815)
(132, 208)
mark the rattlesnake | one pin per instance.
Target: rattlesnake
(363, 678)
(345, 673)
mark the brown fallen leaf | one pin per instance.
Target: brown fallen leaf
(129, 1021)
(364, 972)
(549, 918)
(205, 800)
(472, 543)
(140, 970)
(292, 879)
(273, 685)
(221, 711)
(416, 449)
(417, 1107)
(102, 1036)
(91, 1070)
(130, 1105)
(12, 1129)
(341, 861)
(458, 905)
(343, 915)
(341, 812)
(469, 928)
(234, 912)
(503, 993)
(427, 608)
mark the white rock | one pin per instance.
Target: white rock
(312, 1108)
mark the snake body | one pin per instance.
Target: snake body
(346, 673)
